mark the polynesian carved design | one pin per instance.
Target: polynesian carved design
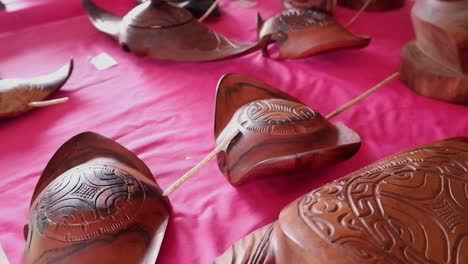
(322, 5)
(358, 214)
(161, 30)
(87, 202)
(278, 133)
(301, 33)
(277, 117)
(407, 208)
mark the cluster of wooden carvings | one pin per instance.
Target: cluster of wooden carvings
(196, 7)
(322, 5)
(16, 94)
(94, 199)
(436, 64)
(163, 31)
(374, 5)
(408, 208)
(301, 33)
(278, 133)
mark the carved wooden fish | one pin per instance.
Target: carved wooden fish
(16, 94)
(301, 33)
(278, 133)
(163, 31)
(95, 202)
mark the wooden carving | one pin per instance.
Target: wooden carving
(95, 202)
(374, 5)
(196, 7)
(436, 64)
(163, 31)
(407, 208)
(16, 94)
(322, 5)
(301, 33)
(278, 133)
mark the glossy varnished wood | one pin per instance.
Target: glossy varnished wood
(323, 5)
(407, 208)
(95, 202)
(278, 133)
(301, 33)
(16, 94)
(196, 7)
(163, 31)
(374, 5)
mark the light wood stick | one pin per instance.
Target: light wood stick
(362, 96)
(209, 11)
(197, 167)
(3, 257)
(358, 14)
(225, 142)
(48, 102)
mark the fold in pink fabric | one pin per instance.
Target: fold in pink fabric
(163, 112)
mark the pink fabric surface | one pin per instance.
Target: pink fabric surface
(163, 112)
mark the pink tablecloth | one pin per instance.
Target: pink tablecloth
(163, 112)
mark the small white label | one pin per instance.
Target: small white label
(103, 61)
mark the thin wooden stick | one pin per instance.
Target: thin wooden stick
(48, 102)
(197, 167)
(358, 14)
(3, 257)
(356, 100)
(209, 11)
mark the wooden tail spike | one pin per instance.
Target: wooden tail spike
(48, 102)
(358, 14)
(209, 11)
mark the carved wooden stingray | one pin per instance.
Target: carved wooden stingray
(436, 64)
(95, 202)
(407, 208)
(196, 7)
(322, 5)
(374, 5)
(301, 33)
(163, 31)
(278, 133)
(16, 94)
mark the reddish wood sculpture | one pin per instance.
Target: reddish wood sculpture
(196, 7)
(408, 208)
(436, 64)
(16, 95)
(163, 31)
(95, 202)
(301, 33)
(278, 133)
(322, 5)
(374, 5)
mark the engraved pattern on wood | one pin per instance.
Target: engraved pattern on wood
(87, 202)
(302, 18)
(357, 215)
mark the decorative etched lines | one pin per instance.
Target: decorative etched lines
(85, 191)
(301, 18)
(449, 215)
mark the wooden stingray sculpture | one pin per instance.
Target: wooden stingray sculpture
(18, 96)
(373, 5)
(436, 64)
(301, 33)
(327, 6)
(197, 7)
(407, 208)
(160, 30)
(95, 202)
(261, 131)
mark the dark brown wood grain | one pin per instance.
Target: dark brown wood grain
(15, 94)
(163, 31)
(300, 33)
(322, 5)
(408, 208)
(436, 64)
(375, 5)
(196, 7)
(95, 202)
(278, 133)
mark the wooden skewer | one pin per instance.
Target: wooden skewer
(358, 14)
(48, 102)
(226, 142)
(209, 11)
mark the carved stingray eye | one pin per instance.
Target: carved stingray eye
(25, 232)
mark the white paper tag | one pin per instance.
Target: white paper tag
(247, 3)
(103, 61)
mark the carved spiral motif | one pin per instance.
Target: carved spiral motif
(277, 116)
(389, 214)
(301, 18)
(88, 201)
